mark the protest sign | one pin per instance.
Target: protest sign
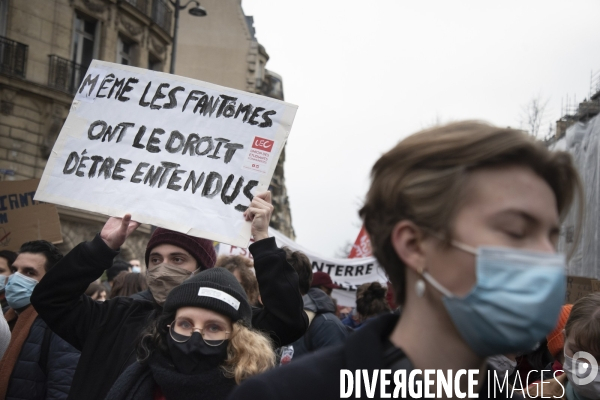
(174, 152)
(346, 272)
(22, 219)
(577, 287)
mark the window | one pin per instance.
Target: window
(260, 69)
(3, 16)
(124, 52)
(84, 41)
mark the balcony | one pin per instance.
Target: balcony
(141, 5)
(13, 57)
(162, 15)
(65, 75)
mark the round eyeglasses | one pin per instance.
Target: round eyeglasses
(213, 333)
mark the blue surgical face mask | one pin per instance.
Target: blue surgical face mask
(136, 270)
(515, 302)
(18, 290)
(3, 280)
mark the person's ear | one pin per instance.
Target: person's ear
(407, 240)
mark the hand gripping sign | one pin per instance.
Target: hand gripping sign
(174, 152)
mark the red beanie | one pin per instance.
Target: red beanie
(201, 249)
(556, 340)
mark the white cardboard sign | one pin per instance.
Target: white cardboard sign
(174, 152)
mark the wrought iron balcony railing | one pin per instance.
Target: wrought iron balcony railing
(162, 15)
(13, 57)
(64, 74)
(141, 5)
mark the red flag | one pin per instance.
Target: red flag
(362, 245)
(361, 249)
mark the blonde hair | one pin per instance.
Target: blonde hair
(249, 353)
(422, 179)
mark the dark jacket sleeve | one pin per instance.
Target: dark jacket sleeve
(325, 331)
(62, 362)
(282, 317)
(59, 297)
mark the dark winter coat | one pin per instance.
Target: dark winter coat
(317, 376)
(325, 330)
(106, 332)
(29, 380)
(139, 382)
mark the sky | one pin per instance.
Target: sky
(367, 74)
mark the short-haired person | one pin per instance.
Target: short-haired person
(325, 327)
(7, 258)
(136, 266)
(465, 220)
(200, 347)
(106, 332)
(581, 334)
(322, 281)
(38, 364)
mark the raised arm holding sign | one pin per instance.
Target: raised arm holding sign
(180, 154)
(106, 333)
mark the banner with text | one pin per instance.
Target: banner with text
(22, 219)
(174, 152)
(346, 272)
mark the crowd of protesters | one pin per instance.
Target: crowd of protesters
(465, 220)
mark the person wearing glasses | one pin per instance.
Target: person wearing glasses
(200, 347)
(106, 333)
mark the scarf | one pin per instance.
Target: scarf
(138, 382)
(19, 335)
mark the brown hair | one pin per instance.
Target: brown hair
(370, 300)
(301, 264)
(244, 268)
(127, 283)
(94, 288)
(583, 324)
(423, 177)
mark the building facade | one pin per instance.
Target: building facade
(222, 48)
(47, 45)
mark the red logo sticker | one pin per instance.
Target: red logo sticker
(263, 144)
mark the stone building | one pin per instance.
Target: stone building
(222, 48)
(46, 47)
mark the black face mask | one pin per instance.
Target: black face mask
(195, 356)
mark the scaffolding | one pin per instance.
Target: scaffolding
(594, 85)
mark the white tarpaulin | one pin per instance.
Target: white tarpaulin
(582, 140)
(346, 272)
(174, 152)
